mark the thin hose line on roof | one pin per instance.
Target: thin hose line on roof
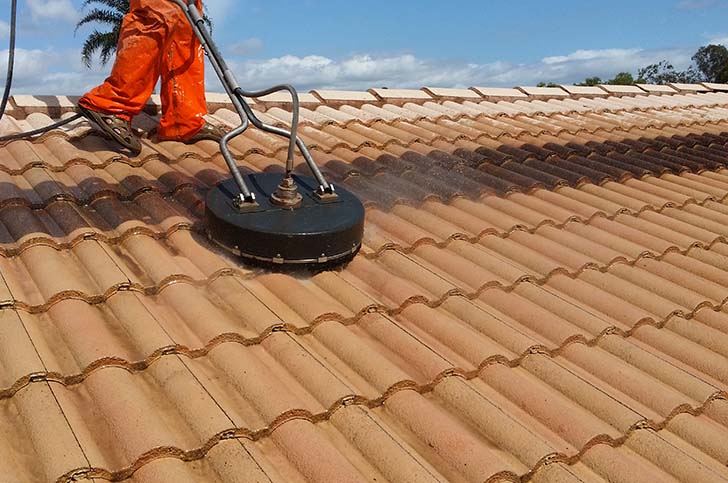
(9, 83)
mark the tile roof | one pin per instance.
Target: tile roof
(656, 88)
(452, 93)
(541, 297)
(344, 96)
(584, 90)
(621, 89)
(689, 87)
(397, 94)
(715, 87)
(499, 92)
(543, 91)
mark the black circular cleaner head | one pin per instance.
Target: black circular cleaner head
(318, 234)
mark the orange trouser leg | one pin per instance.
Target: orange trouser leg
(155, 39)
(183, 83)
(136, 69)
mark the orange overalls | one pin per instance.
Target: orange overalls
(156, 40)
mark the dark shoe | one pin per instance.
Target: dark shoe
(208, 132)
(116, 128)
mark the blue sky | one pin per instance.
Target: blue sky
(357, 45)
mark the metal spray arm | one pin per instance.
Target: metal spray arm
(287, 193)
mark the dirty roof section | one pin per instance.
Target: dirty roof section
(541, 297)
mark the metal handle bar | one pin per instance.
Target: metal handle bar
(247, 116)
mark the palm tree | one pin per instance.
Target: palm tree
(105, 42)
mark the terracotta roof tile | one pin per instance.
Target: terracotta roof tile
(452, 93)
(619, 89)
(284, 98)
(716, 87)
(498, 92)
(540, 296)
(399, 94)
(656, 88)
(42, 103)
(689, 87)
(543, 91)
(55, 105)
(343, 96)
(584, 90)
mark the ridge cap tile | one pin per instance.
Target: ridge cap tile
(621, 89)
(581, 90)
(330, 95)
(285, 98)
(543, 91)
(499, 92)
(450, 92)
(387, 94)
(716, 86)
(652, 88)
(28, 100)
(685, 87)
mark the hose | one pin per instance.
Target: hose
(11, 57)
(9, 83)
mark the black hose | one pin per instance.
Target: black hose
(39, 131)
(9, 83)
(11, 57)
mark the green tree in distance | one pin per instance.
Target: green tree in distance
(590, 81)
(663, 72)
(712, 62)
(622, 79)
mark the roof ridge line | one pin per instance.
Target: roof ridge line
(22, 105)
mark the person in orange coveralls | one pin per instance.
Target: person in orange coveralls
(155, 40)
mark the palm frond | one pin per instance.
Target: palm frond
(107, 50)
(103, 41)
(110, 13)
(101, 16)
(118, 5)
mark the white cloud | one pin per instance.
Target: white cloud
(60, 72)
(50, 72)
(409, 71)
(721, 40)
(53, 10)
(359, 71)
(29, 64)
(4, 29)
(584, 55)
